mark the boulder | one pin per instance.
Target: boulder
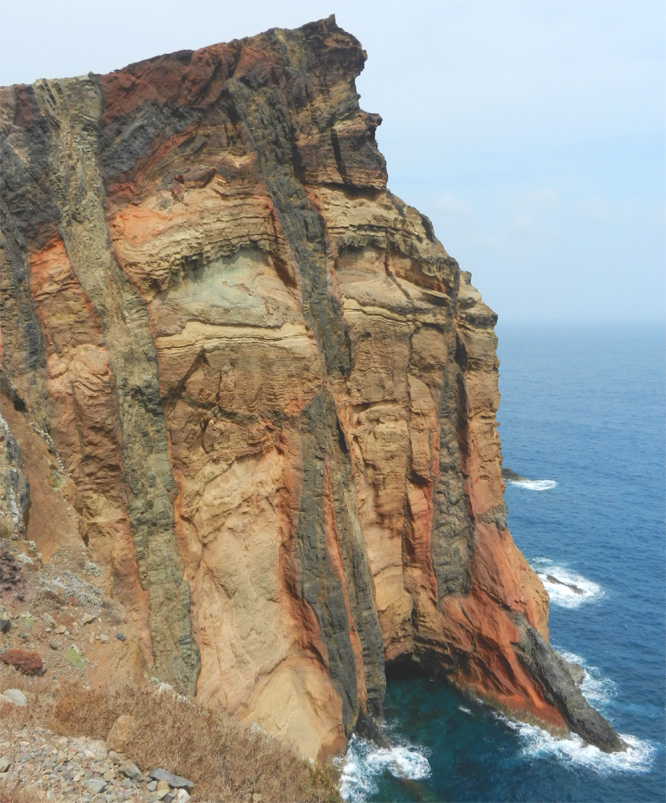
(95, 785)
(129, 769)
(121, 734)
(15, 696)
(29, 663)
(175, 781)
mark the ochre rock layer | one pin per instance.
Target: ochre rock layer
(271, 391)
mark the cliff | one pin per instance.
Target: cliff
(256, 385)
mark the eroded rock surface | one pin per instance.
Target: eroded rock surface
(14, 490)
(271, 390)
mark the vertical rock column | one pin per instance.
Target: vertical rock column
(73, 108)
(269, 130)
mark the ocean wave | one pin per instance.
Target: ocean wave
(566, 588)
(365, 763)
(534, 485)
(537, 743)
(597, 689)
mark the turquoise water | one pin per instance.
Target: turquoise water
(582, 416)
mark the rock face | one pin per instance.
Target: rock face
(270, 389)
(14, 491)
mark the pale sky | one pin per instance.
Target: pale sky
(531, 132)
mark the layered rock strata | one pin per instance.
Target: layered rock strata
(270, 388)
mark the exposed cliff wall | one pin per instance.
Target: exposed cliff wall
(273, 390)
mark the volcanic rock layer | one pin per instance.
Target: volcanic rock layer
(268, 392)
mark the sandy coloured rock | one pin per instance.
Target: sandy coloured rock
(123, 730)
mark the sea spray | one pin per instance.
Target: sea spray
(597, 689)
(534, 485)
(365, 763)
(539, 744)
(565, 587)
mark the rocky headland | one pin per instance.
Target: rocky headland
(251, 382)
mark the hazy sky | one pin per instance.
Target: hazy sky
(532, 132)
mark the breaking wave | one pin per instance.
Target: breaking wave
(566, 588)
(365, 763)
(537, 743)
(534, 485)
(599, 691)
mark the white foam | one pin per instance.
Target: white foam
(566, 596)
(537, 743)
(401, 762)
(534, 485)
(571, 657)
(597, 689)
(365, 763)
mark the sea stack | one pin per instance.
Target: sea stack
(268, 389)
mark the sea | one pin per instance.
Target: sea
(582, 418)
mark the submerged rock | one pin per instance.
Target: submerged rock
(573, 587)
(510, 474)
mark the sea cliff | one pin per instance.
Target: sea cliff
(265, 391)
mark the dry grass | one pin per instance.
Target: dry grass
(15, 793)
(225, 759)
(40, 691)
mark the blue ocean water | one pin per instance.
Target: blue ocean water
(583, 417)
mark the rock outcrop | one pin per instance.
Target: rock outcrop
(14, 490)
(269, 390)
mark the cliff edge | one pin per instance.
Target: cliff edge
(266, 392)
